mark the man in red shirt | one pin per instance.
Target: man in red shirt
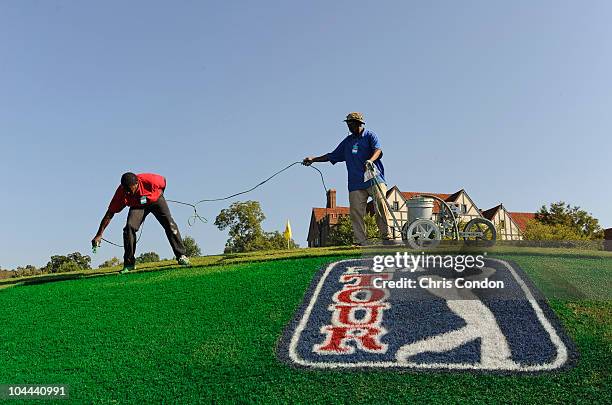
(144, 194)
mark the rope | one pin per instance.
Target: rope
(196, 217)
(261, 183)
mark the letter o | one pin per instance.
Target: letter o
(348, 296)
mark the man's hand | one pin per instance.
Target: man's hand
(369, 164)
(307, 161)
(95, 242)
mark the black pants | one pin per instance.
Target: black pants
(136, 217)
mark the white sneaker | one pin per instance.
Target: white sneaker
(183, 260)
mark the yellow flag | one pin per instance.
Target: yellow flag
(287, 233)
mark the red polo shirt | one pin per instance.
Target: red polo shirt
(150, 187)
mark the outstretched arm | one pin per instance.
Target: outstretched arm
(310, 160)
(103, 224)
(334, 157)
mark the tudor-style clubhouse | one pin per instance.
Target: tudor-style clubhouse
(509, 225)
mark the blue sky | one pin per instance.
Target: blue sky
(509, 100)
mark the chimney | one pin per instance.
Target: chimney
(331, 198)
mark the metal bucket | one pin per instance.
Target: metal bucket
(419, 207)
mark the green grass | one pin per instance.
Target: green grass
(209, 333)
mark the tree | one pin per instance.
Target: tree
(28, 270)
(83, 262)
(147, 257)
(245, 232)
(191, 247)
(57, 263)
(54, 264)
(582, 223)
(110, 263)
(68, 266)
(244, 222)
(275, 241)
(536, 230)
(342, 233)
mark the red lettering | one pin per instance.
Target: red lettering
(348, 296)
(364, 280)
(366, 338)
(346, 314)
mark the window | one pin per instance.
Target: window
(463, 209)
(502, 224)
(395, 205)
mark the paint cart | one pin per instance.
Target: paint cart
(423, 230)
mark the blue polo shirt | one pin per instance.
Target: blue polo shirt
(355, 150)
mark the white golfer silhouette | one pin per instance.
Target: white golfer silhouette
(480, 323)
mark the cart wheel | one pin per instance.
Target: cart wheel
(489, 234)
(421, 234)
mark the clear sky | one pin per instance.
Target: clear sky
(510, 100)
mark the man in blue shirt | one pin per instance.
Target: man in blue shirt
(357, 150)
